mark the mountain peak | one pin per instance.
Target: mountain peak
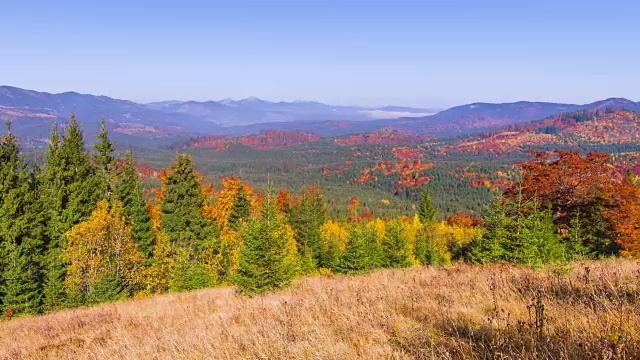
(252, 99)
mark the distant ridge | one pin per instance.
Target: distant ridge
(33, 112)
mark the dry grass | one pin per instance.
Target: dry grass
(459, 312)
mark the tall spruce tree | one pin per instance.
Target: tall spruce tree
(240, 210)
(307, 218)
(69, 192)
(427, 212)
(104, 162)
(268, 256)
(490, 247)
(182, 205)
(358, 257)
(395, 247)
(20, 232)
(128, 190)
(192, 236)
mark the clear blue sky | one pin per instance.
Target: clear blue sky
(419, 53)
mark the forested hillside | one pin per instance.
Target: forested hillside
(82, 227)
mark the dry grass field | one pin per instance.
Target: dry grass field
(589, 311)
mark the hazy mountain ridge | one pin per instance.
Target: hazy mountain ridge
(33, 112)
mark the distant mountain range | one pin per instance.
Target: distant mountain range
(33, 112)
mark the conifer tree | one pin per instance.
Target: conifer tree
(395, 247)
(576, 238)
(427, 212)
(68, 194)
(51, 191)
(268, 256)
(20, 232)
(104, 162)
(357, 256)
(128, 190)
(194, 239)
(490, 247)
(240, 210)
(536, 240)
(182, 206)
(307, 218)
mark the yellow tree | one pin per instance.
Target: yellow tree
(230, 209)
(103, 259)
(232, 203)
(333, 237)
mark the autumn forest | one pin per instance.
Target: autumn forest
(82, 227)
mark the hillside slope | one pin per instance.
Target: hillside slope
(596, 127)
(462, 312)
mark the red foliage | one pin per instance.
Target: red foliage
(384, 136)
(405, 152)
(572, 183)
(284, 203)
(608, 127)
(270, 139)
(463, 219)
(408, 171)
(144, 170)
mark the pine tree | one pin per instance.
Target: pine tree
(52, 198)
(128, 190)
(268, 257)
(104, 162)
(20, 232)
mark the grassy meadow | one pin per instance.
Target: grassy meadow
(587, 310)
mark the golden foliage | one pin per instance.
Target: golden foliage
(225, 199)
(100, 247)
(334, 233)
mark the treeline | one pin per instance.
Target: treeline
(79, 229)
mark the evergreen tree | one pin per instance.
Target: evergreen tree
(307, 218)
(490, 246)
(182, 206)
(577, 237)
(427, 212)
(82, 190)
(188, 274)
(104, 162)
(240, 210)
(268, 256)
(518, 232)
(20, 232)
(193, 238)
(128, 190)
(358, 256)
(68, 194)
(395, 247)
(108, 288)
(537, 241)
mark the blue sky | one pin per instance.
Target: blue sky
(416, 53)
